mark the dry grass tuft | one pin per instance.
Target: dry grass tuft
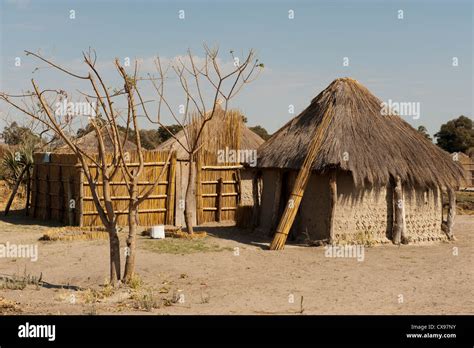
(181, 246)
(73, 233)
(8, 306)
(146, 300)
(135, 282)
(19, 282)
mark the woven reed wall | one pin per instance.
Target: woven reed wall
(209, 173)
(58, 181)
(50, 192)
(54, 185)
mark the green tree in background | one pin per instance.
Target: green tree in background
(423, 131)
(456, 135)
(15, 134)
(164, 135)
(262, 132)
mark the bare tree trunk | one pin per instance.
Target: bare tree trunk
(190, 196)
(114, 255)
(15, 189)
(132, 232)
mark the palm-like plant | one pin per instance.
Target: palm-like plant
(16, 168)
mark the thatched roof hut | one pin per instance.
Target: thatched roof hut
(467, 163)
(369, 157)
(379, 147)
(88, 143)
(224, 129)
(225, 189)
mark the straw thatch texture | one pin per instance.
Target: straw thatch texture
(88, 143)
(221, 131)
(468, 166)
(378, 147)
(224, 130)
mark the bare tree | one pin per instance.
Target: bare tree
(41, 110)
(195, 79)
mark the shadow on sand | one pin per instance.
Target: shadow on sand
(18, 217)
(235, 233)
(224, 230)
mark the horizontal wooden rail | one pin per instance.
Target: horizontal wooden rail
(223, 194)
(223, 208)
(239, 166)
(142, 211)
(92, 165)
(124, 197)
(134, 164)
(210, 182)
(123, 183)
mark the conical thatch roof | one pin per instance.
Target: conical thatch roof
(88, 143)
(359, 139)
(224, 129)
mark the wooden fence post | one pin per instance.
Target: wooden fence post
(220, 189)
(451, 213)
(237, 186)
(79, 203)
(276, 200)
(398, 232)
(199, 203)
(170, 194)
(332, 203)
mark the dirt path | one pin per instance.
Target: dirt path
(413, 279)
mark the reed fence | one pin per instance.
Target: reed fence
(61, 192)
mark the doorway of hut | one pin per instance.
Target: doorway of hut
(311, 221)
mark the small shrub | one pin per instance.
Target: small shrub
(146, 300)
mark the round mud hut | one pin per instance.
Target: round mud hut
(374, 179)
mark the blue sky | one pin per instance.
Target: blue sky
(407, 60)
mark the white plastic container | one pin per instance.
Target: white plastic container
(47, 157)
(157, 232)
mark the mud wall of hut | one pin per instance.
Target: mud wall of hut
(364, 215)
(361, 215)
(423, 213)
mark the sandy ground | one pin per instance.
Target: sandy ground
(413, 279)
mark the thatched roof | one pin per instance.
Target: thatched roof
(88, 143)
(359, 139)
(223, 130)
